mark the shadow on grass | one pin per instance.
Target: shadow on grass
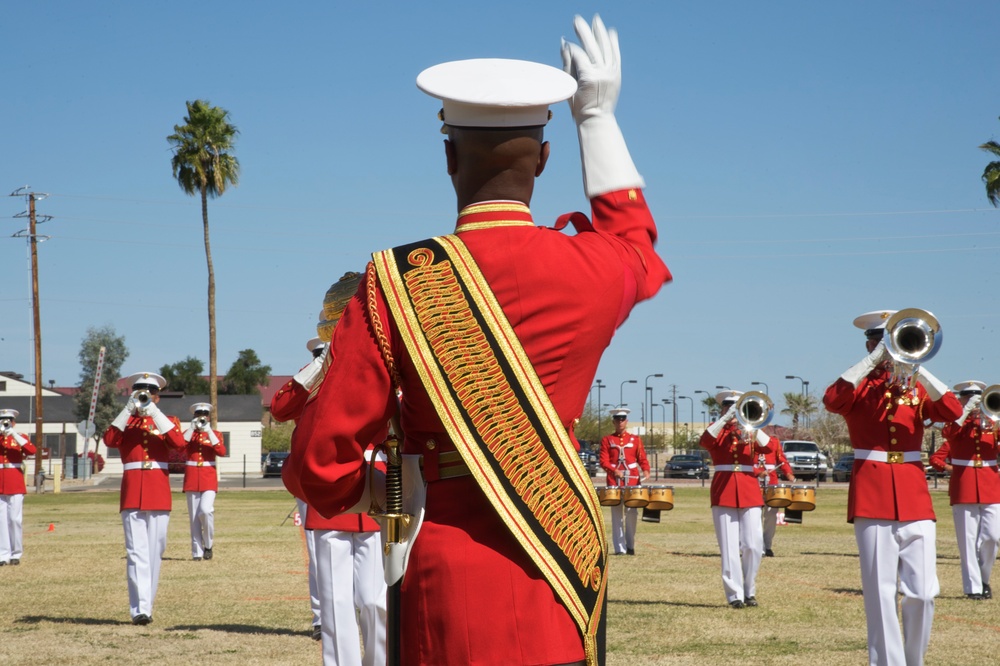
(658, 602)
(709, 555)
(38, 619)
(852, 591)
(809, 552)
(240, 629)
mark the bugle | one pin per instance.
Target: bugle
(912, 337)
(754, 410)
(201, 422)
(989, 406)
(142, 397)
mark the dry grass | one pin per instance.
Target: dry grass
(67, 602)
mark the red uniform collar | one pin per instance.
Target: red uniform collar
(491, 214)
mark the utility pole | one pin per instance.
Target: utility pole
(33, 240)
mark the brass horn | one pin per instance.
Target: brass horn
(201, 421)
(912, 336)
(142, 397)
(990, 403)
(754, 410)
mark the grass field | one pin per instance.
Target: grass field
(67, 602)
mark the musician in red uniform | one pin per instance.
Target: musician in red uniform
(969, 454)
(888, 501)
(143, 434)
(563, 306)
(201, 479)
(770, 465)
(624, 459)
(14, 448)
(736, 499)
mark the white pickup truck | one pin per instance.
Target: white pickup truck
(807, 461)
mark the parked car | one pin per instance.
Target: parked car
(842, 470)
(685, 466)
(807, 461)
(273, 463)
(590, 462)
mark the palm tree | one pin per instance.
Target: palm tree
(203, 162)
(798, 405)
(991, 175)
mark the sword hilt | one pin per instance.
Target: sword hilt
(392, 516)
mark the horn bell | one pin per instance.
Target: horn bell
(913, 336)
(754, 410)
(990, 404)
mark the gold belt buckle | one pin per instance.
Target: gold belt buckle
(736, 468)
(978, 462)
(147, 464)
(894, 457)
(201, 463)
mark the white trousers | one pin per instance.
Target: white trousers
(977, 528)
(770, 525)
(623, 521)
(145, 541)
(11, 533)
(201, 513)
(898, 556)
(741, 544)
(311, 551)
(352, 592)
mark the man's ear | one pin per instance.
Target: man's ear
(543, 158)
(450, 157)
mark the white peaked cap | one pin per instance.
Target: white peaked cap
(621, 411)
(971, 385)
(9, 414)
(147, 378)
(724, 396)
(201, 407)
(874, 319)
(314, 344)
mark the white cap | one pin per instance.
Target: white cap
(147, 379)
(620, 411)
(315, 343)
(201, 407)
(971, 386)
(723, 397)
(876, 319)
(496, 92)
(9, 414)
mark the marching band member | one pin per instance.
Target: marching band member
(888, 501)
(14, 447)
(201, 479)
(142, 433)
(969, 454)
(541, 334)
(624, 459)
(736, 499)
(774, 462)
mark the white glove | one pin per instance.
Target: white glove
(762, 438)
(860, 370)
(969, 408)
(19, 438)
(163, 424)
(397, 555)
(122, 419)
(596, 66)
(935, 387)
(211, 437)
(716, 427)
(189, 433)
(309, 375)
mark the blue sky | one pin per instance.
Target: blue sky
(805, 163)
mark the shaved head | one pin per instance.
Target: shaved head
(487, 164)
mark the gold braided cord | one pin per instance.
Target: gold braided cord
(377, 328)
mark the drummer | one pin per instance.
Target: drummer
(737, 500)
(767, 471)
(624, 459)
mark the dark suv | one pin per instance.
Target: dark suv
(273, 463)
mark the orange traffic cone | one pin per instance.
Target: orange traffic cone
(52, 527)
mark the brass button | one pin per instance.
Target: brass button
(890, 417)
(892, 441)
(431, 445)
(892, 428)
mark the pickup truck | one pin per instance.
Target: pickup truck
(807, 461)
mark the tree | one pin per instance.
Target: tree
(203, 162)
(799, 405)
(246, 375)
(711, 406)
(991, 175)
(115, 354)
(185, 376)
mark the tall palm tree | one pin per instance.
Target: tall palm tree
(798, 405)
(991, 175)
(203, 162)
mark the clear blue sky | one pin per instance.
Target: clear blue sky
(805, 163)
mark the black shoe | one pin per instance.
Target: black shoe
(987, 592)
(975, 596)
(142, 619)
(751, 602)
(196, 559)
(768, 553)
(317, 634)
(3, 564)
(630, 551)
(15, 561)
(208, 553)
(736, 604)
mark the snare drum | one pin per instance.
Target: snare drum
(636, 497)
(803, 498)
(778, 495)
(610, 495)
(661, 497)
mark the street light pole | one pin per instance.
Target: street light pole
(649, 390)
(697, 391)
(803, 388)
(599, 387)
(767, 391)
(621, 389)
(692, 406)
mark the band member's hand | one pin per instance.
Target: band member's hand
(312, 373)
(970, 407)
(935, 387)
(612, 475)
(856, 373)
(717, 427)
(645, 475)
(131, 405)
(948, 468)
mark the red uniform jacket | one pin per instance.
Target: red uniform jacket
(564, 296)
(774, 462)
(286, 405)
(734, 489)
(876, 421)
(612, 447)
(12, 460)
(970, 485)
(198, 478)
(145, 489)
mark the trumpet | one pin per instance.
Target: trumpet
(142, 398)
(6, 424)
(754, 410)
(989, 407)
(912, 337)
(201, 422)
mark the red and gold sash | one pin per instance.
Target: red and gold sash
(496, 411)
